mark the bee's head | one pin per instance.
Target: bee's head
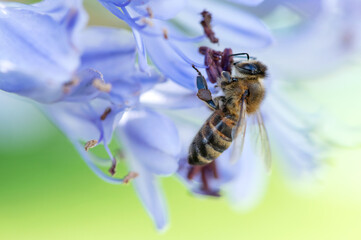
(249, 67)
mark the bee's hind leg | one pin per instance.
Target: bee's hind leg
(203, 92)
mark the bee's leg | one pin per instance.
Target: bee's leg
(206, 96)
(203, 93)
(219, 101)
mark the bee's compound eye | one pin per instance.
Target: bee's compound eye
(250, 67)
(234, 79)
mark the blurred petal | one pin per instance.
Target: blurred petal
(150, 194)
(292, 135)
(47, 60)
(152, 139)
(234, 27)
(247, 2)
(142, 53)
(69, 13)
(82, 88)
(83, 120)
(112, 52)
(170, 63)
(171, 96)
(108, 50)
(247, 177)
(161, 9)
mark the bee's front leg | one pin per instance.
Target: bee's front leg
(203, 92)
(206, 96)
(219, 101)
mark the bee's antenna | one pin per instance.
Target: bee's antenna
(199, 73)
(239, 54)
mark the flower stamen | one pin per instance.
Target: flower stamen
(165, 33)
(131, 175)
(150, 12)
(206, 24)
(90, 144)
(101, 85)
(147, 21)
(112, 168)
(207, 172)
(70, 84)
(216, 62)
(105, 113)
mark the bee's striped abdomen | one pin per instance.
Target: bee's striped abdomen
(213, 138)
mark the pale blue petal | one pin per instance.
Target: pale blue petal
(87, 156)
(142, 53)
(245, 180)
(247, 2)
(292, 135)
(170, 95)
(152, 139)
(148, 190)
(110, 51)
(69, 13)
(234, 27)
(84, 90)
(161, 9)
(83, 120)
(170, 63)
(47, 60)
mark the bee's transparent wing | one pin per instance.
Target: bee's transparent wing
(260, 136)
(239, 133)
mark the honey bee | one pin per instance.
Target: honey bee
(243, 94)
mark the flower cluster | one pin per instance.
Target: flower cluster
(139, 85)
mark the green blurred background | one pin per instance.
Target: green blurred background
(48, 192)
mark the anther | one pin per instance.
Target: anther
(165, 33)
(147, 22)
(206, 24)
(206, 172)
(105, 113)
(101, 85)
(70, 84)
(90, 144)
(150, 12)
(131, 175)
(112, 168)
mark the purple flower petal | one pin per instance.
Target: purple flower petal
(245, 180)
(170, 63)
(149, 193)
(152, 139)
(110, 51)
(48, 58)
(83, 120)
(171, 96)
(293, 136)
(161, 9)
(142, 53)
(247, 2)
(234, 27)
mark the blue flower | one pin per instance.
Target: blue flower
(245, 181)
(87, 82)
(32, 40)
(166, 40)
